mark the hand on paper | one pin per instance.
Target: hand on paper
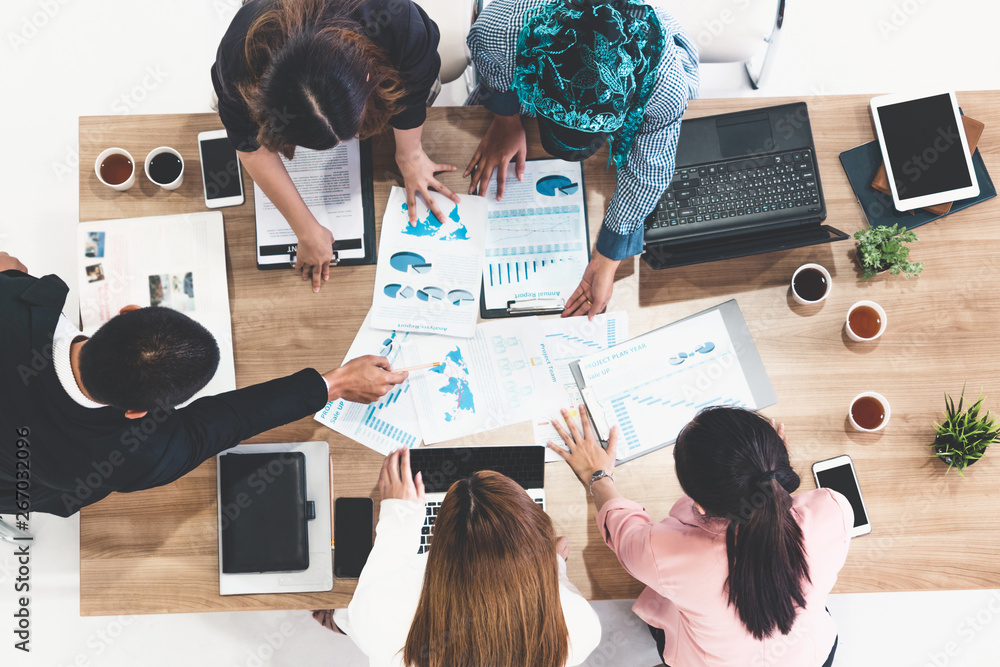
(8, 263)
(418, 174)
(363, 380)
(397, 480)
(503, 141)
(585, 455)
(594, 292)
(315, 250)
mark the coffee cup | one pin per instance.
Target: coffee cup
(115, 168)
(869, 412)
(811, 283)
(165, 167)
(866, 321)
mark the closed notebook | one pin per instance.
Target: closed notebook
(263, 514)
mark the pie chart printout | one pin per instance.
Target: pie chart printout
(407, 261)
(556, 186)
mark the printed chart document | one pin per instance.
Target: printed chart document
(428, 277)
(485, 382)
(336, 186)
(171, 261)
(651, 386)
(537, 244)
(566, 340)
(391, 422)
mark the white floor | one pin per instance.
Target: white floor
(60, 59)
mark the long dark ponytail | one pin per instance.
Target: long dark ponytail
(733, 463)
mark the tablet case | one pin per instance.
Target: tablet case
(264, 525)
(861, 163)
(367, 205)
(973, 130)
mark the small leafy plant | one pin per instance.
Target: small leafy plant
(962, 438)
(881, 248)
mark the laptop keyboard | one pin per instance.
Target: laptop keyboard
(739, 188)
(431, 509)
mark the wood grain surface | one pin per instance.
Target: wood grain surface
(155, 551)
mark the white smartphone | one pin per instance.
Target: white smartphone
(924, 148)
(220, 170)
(838, 474)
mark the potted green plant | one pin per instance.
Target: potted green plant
(964, 435)
(884, 248)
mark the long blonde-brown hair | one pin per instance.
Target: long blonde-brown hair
(315, 79)
(491, 587)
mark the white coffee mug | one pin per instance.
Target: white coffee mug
(128, 182)
(885, 410)
(826, 274)
(174, 184)
(882, 321)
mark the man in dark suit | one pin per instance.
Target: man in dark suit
(81, 418)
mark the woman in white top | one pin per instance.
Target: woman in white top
(492, 590)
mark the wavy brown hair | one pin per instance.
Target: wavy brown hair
(315, 78)
(491, 588)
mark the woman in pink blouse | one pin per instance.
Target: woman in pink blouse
(738, 574)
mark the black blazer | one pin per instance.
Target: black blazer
(76, 455)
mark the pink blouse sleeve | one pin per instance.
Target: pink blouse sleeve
(627, 529)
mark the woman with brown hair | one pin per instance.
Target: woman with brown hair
(314, 73)
(491, 591)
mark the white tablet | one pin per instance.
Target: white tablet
(923, 145)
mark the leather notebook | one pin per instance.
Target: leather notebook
(973, 130)
(264, 512)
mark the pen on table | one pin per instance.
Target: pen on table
(418, 368)
(331, 502)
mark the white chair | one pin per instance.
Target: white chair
(727, 31)
(453, 18)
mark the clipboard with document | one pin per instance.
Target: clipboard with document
(537, 240)
(652, 385)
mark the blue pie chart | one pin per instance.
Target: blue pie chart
(403, 261)
(457, 296)
(430, 294)
(556, 186)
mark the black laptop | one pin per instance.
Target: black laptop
(744, 183)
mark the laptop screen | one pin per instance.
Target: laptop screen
(443, 466)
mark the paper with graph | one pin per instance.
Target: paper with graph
(536, 238)
(564, 341)
(391, 422)
(485, 382)
(651, 386)
(428, 277)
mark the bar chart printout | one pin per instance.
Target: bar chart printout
(536, 237)
(653, 385)
(389, 423)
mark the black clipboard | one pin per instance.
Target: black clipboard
(538, 306)
(287, 250)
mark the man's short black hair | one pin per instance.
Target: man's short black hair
(148, 358)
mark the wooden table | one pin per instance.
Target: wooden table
(155, 551)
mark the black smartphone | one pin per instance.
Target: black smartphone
(352, 536)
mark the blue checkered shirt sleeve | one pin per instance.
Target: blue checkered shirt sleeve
(650, 164)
